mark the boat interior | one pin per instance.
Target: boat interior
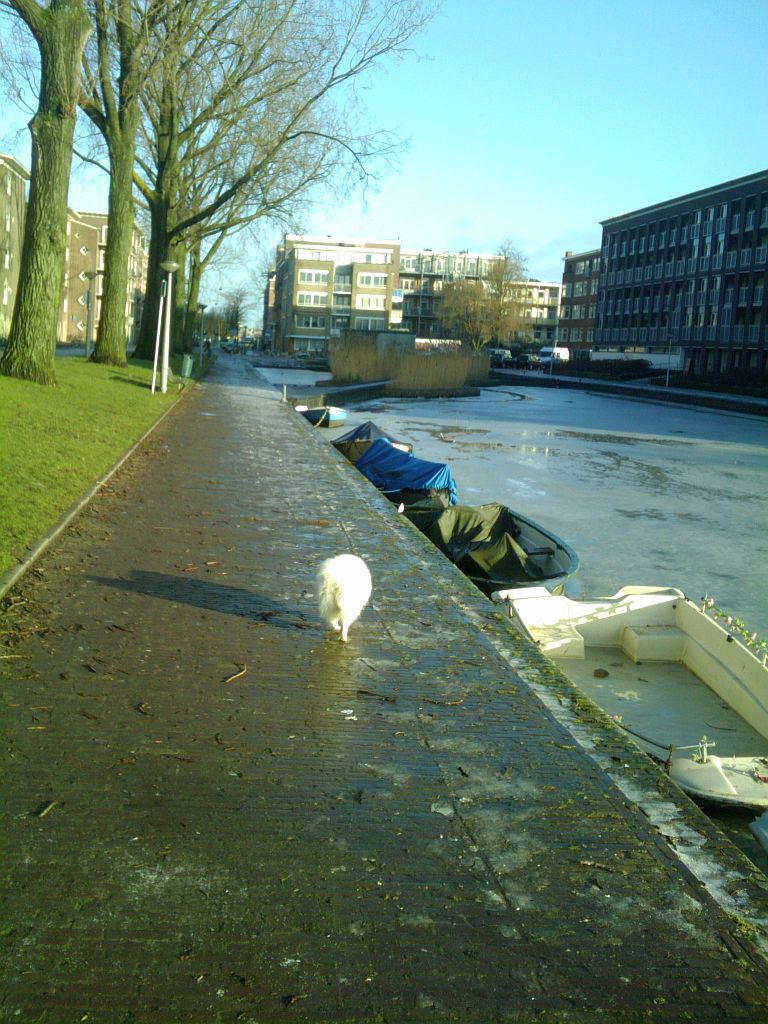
(643, 655)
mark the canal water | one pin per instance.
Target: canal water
(646, 493)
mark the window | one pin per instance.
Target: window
(370, 302)
(313, 276)
(371, 280)
(312, 299)
(308, 320)
(369, 323)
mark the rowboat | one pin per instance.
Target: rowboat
(324, 415)
(683, 686)
(496, 547)
(404, 478)
(358, 440)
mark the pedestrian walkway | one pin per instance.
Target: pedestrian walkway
(215, 811)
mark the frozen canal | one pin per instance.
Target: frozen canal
(645, 492)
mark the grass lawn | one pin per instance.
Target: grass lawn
(55, 442)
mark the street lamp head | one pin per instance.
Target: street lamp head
(202, 306)
(169, 266)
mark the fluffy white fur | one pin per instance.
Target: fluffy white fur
(343, 590)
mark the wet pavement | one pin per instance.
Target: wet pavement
(215, 811)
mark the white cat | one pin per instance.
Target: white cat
(343, 590)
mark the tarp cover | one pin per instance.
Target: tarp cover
(357, 441)
(481, 541)
(392, 471)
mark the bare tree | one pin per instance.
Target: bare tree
(252, 111)
(60, 30)
(491, 308)
(504, 286)
(465, 312)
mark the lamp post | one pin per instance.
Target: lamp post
(91, 275)
(202, 307)
(669, 353)
(169, 266)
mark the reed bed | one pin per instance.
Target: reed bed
(355, 360)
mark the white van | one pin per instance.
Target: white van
(553, 354)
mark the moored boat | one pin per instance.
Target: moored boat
(404, 478)
(358, 440)
(685, 688)
(496, 547)
(324, 415)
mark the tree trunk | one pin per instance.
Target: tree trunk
(111, 341)
(158, 248)
(61, 31)
(164, 193)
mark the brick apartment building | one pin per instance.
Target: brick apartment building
(578, 313)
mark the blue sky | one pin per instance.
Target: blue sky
(534, 121)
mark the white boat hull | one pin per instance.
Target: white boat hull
(686, 690)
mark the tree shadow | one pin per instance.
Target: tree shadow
(210, 595)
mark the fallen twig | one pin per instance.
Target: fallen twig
(237, 675)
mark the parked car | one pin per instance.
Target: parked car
(524, 361)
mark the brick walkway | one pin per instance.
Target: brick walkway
(213, 811)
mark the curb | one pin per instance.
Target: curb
(12, 576)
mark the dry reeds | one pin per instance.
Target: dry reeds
(359, 359)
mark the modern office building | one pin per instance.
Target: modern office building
(687, 277)
(13, 205)
(578, 313)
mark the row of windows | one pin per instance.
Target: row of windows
(692, 265)
(739, 333)
(583, 267)
(313, 276)
(579, 312)
(341, 301)
(372, 280)
(350, 255)
(579, 288)
(471, 266)
(705, 222)
(654, 304)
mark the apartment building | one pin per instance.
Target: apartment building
(13, 206)
(84, 278)
(423, 276)
(578, 313)
(540, 310)
(82, 281)
(688, 277)
(320, 287)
